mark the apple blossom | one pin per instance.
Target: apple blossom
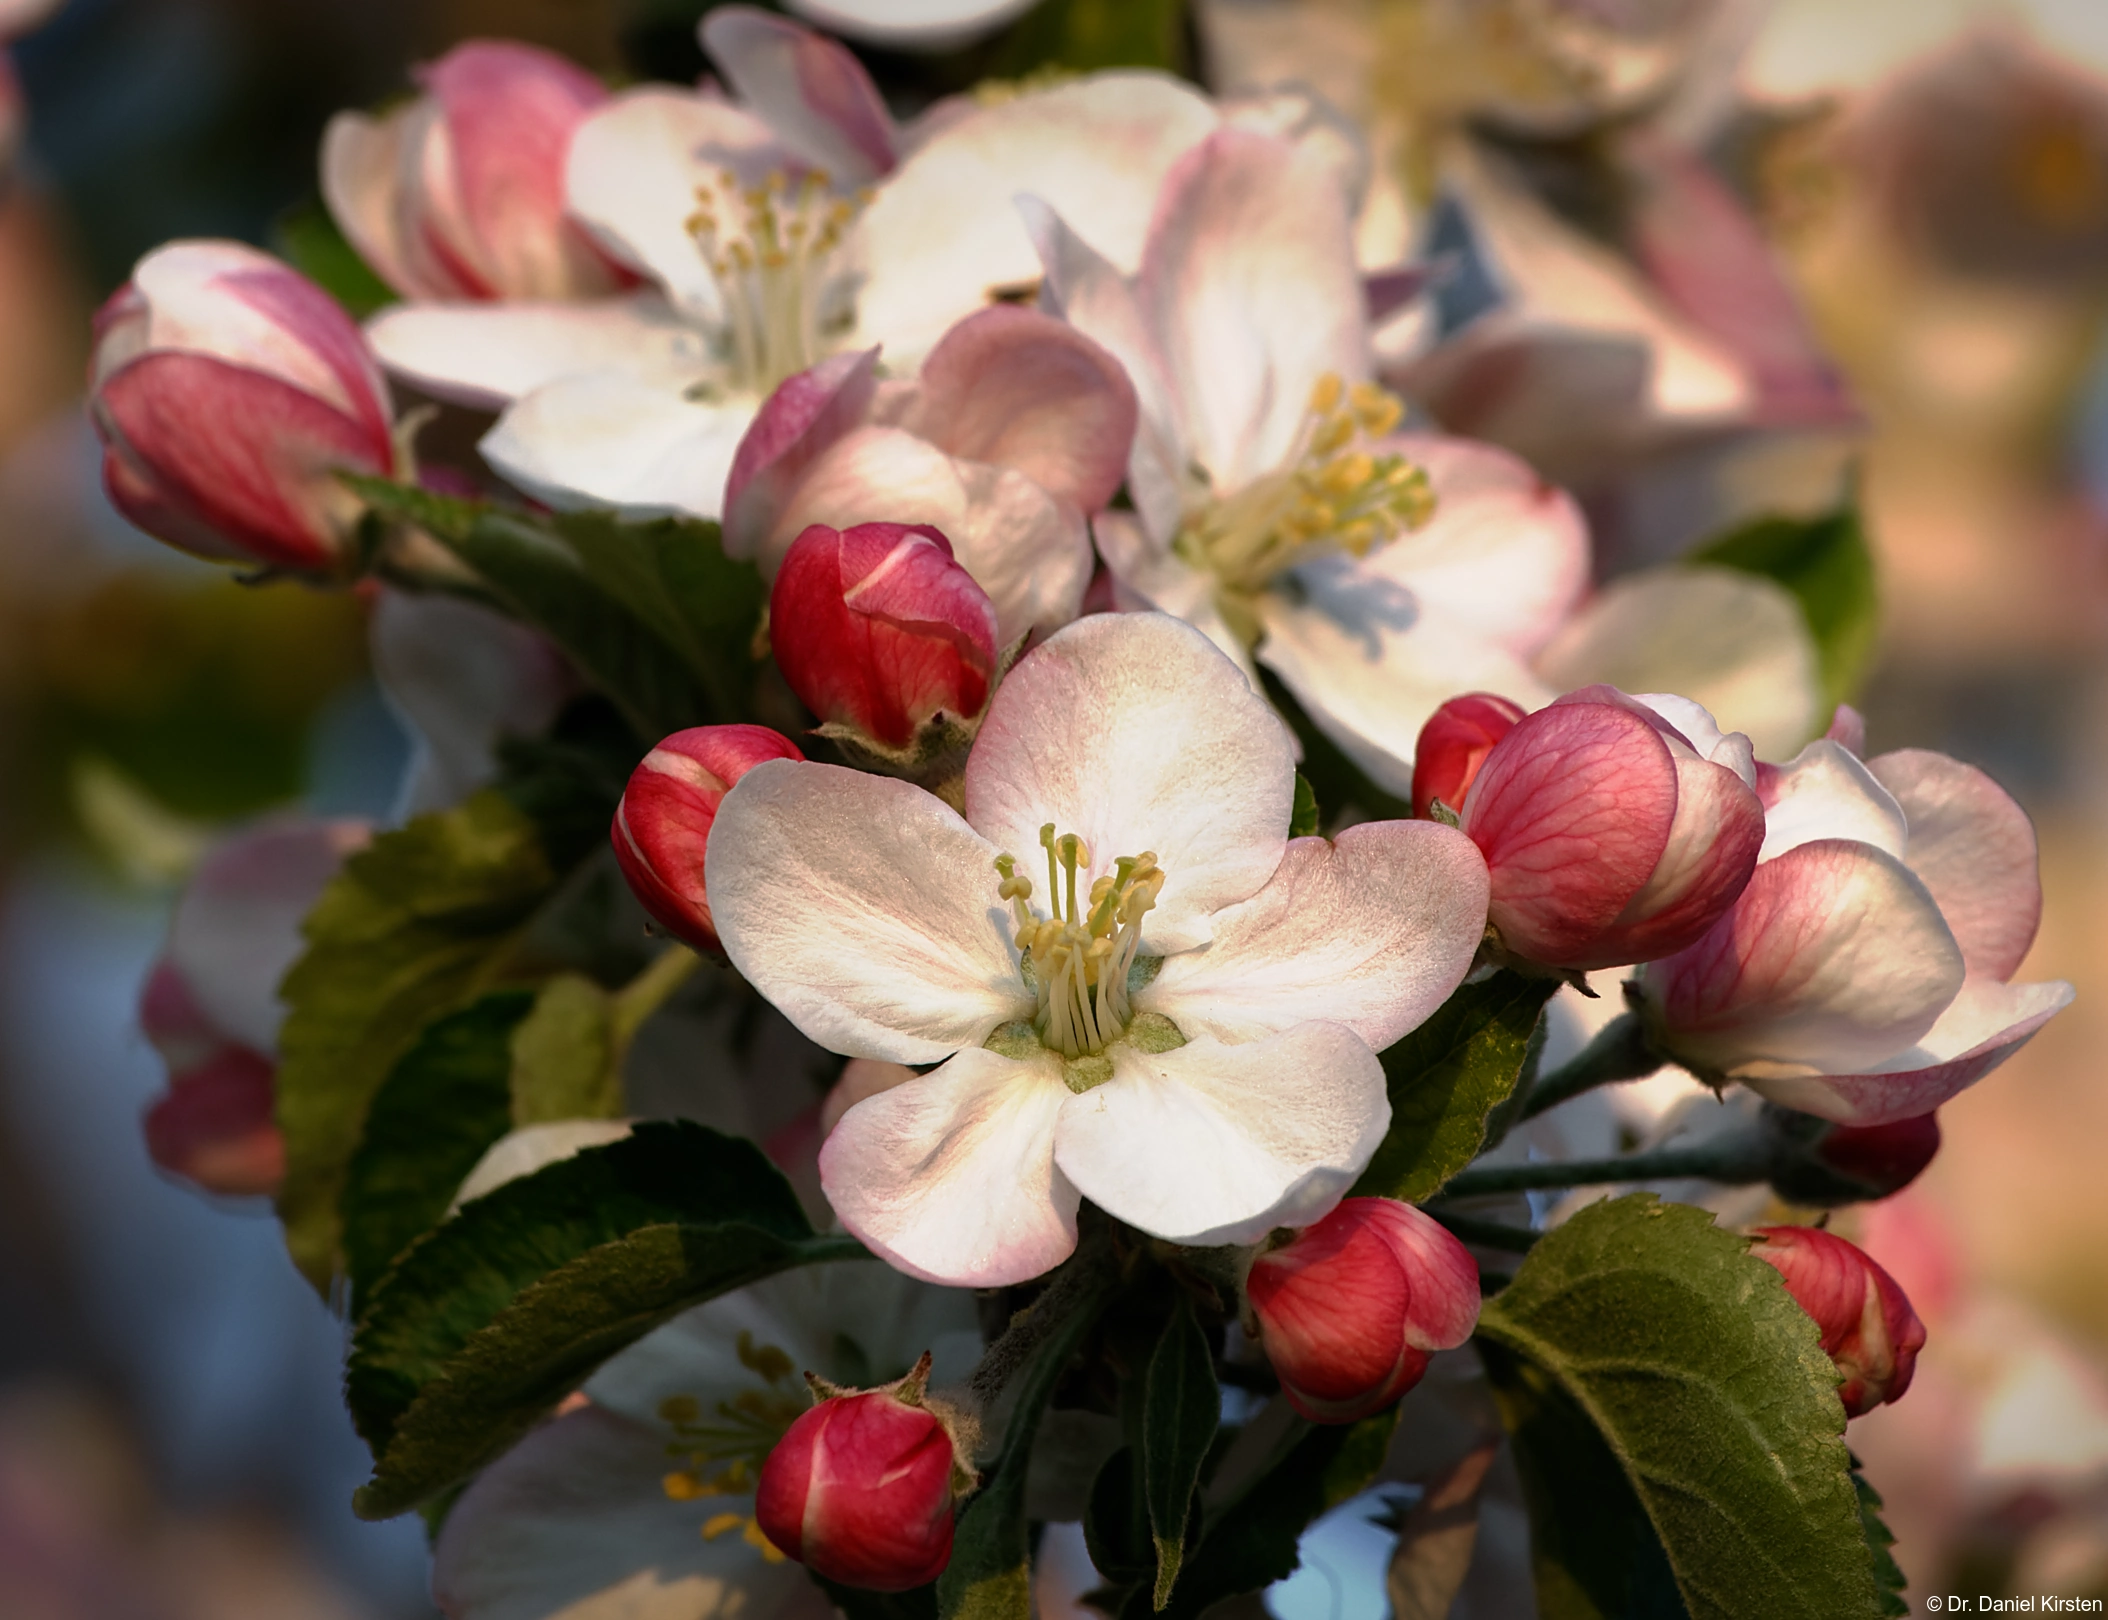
(662, 825)
(1183, 1029)
(1276, 506)
(459, 193)
(1867, 1325)
(1453, 747)
(1865, 973)
(1350, 1309)
(883, 636)
(1615, 829)
(1015, 428)
(228, 392)
(860, 1488)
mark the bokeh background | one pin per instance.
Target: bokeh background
(172, 1445)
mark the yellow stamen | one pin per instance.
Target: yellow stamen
(1080, 958)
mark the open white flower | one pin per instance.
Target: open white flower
(639, 1506)
(1277, 507)
(1182, 1026)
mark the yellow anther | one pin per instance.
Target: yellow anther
(720, 1523)
(752, 1535)
(684, 1487)
(1325, 393)
(1349, 473)
(1333, 433)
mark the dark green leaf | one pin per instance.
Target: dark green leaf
(563, 1055)
(1709, 1387)
(1888, 1575)
(917, 1603)
(1083, 36)
(1116, 1529)
(441, 1107)
(490, 1320)
(1446, 1078)
(416, 925)
(1303, 819)
(308, 239)
(1181, 1410)
(1827, 566)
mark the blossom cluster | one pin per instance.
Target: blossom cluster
(1096, 481)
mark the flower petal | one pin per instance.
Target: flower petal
(1213, 1144)
(1826, 793)
(1369, 665)
(1131, 731)
(1019, 389)
(1372, 931)
(1982, 1027)
(804, 418)
(1148, 575)
(865, 909)
(361, 159)
(942, 233)
(814, 94)
(482, 355)
(1834, 960)
(573, 1521)
(1732, 642)
(911, 25)
(603, 439)
(951, 1177)
(1250, 283)
(1706, 864)
(1975, 850)
(1505, 554)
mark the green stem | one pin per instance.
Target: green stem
(1737, 1162)
(1619, 1052)
(1488, 1234)
(648, 992)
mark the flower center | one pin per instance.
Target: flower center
(723, 1451)
(775, 249)
(1077, 957)
(1334, 493)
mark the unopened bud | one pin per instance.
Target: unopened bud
(661, 830)
(881, 633)
(860, 1489)
(1454, 744)
(1868, 1327)
(1350, 1309)
(1824, 1165)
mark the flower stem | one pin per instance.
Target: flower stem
(1737, 1161)
(1619, 1052)
(1487, 1234)
(649, 990)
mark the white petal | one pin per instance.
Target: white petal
(951, 1177)
(1131, 731)
(915, 25)
(1164, 580)
(1975, 849)
(1733, 642)
(865, 909)
(942, 231)
(572, 1524)
(605, 439)
(1369, 664)
(1982, 1027)
(361, 160)
(1213, 1144)
(1372, 931)
(535, 1147)
(1827, 793)
(482, 355)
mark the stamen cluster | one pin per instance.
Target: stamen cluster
(1078, 959)
(724, 1457)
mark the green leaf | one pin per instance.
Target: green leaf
(1303, 818)
(417, 924)
(1116, 1526)
(1827, 566)
(563, 1055)
(1710, 1389)
(439, 1110)
(1084, 36)
(486, 1323)
(990, 1575)
(308, 239)
(1446, 1078)
(1181, 1410)
(1888, 1575)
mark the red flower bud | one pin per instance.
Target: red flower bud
(1883, 1158)
(662, 827)
(879, 631)
(216, 1125)
(1867, 1325)
(860, 1488)
(1352, 1307)
(1454, 744)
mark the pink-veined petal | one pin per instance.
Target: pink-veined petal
(865, 909)
(814, 94)
(1712, 851)
(1372, 931)
(361, 160)
(804, 418)
(951, 1176)
(1213, 1143)
(1975, 850)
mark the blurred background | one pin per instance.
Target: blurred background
(1934, 177)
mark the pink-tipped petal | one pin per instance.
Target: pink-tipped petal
(1705, 866)
(1975, 850)
(1848, 730)
(800, 422)
(811, 91)
(215, 1125)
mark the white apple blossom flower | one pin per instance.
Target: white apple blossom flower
(1182, 1026)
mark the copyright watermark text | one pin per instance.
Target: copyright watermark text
(2039, 1604)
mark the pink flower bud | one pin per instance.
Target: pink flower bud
(1611, 834)
(1454, 744)
(459, 194)
(1883, 1158)
(229, 391)
(216, 1127)
(860, 1488)
(1351, 1308)
(878, 630)
(662, 827)
(1867, 1325)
